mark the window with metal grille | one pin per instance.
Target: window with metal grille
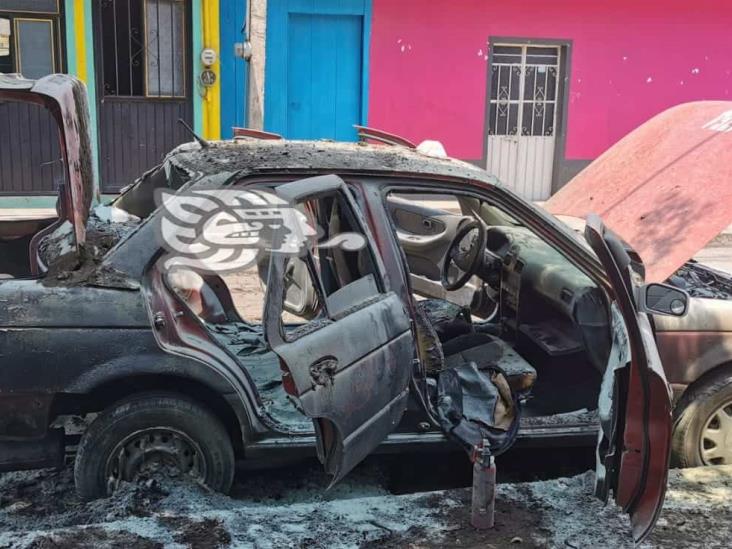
(524, 84)
(143, 47)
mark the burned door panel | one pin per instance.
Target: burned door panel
(425, 231)
(350, 364)
(352, 371)
(635, 400)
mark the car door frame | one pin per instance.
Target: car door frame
(640, 470)
(376, 365)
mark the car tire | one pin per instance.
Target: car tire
(153, 433)
(692, 418)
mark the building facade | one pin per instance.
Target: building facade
(529, 89)
(534, 90)
(144, 66)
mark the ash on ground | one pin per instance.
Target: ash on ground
(292, 509)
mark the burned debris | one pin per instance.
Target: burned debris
(702, 281)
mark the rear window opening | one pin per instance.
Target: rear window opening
(321, 284)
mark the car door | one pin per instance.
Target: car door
(635, 400)
(349, 367)
(425, 229)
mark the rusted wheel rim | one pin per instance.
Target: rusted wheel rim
(716, 437)
(153, 452)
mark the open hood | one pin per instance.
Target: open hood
(65, 98)
(665, 188)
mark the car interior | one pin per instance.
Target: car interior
(231, 306)
(496, 293)
(489, 293)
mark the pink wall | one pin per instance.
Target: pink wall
(630, 59)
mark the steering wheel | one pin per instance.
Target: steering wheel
(464, 256)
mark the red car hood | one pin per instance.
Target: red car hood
(665, 188)
(65, 97)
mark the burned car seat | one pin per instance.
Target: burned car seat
(488, 351)
(477, 399)
(455, 343)
(475, 406)
(448, 319)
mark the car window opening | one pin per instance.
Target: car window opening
(322, 283)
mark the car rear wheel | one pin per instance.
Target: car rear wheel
(703, 427)
(153, 435)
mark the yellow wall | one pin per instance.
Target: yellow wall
(211, 95)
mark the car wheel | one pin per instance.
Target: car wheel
(153, 435)
(703, 426)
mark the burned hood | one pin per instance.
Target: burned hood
(665, 188)
(66, 99)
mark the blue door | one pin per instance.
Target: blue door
(316, 68)
(232, 19)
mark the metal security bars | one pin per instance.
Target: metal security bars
(522, 111)
(143, 47)
(524, 90)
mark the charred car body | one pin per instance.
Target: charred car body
(465, 312)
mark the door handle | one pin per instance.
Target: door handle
(323, 371)
(159, 321)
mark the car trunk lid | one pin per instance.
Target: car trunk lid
(65, 98)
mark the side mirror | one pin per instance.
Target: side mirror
(662, 299)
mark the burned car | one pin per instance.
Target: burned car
(254, 298)
(665, 188)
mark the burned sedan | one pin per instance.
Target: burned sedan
(251, 298)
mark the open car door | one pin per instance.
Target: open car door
(349, 365)
(635, 399)
(65, 99)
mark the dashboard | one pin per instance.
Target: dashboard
(528, 260)
(545, 297)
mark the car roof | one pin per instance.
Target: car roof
(220, 162)
(267, 156)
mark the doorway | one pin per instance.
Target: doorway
(317, 57)
(143, 56)
(523, 111)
